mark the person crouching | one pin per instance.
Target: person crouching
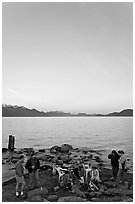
(33, 165)
(95, 175)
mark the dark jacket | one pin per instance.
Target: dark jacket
(33, 161)
(114, 159)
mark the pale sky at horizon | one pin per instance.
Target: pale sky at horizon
(72, 57)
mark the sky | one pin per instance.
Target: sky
(71, 57)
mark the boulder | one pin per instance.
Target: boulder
(65, 158)
(42, 157)
(14, 160)
(45, 200)
(95, 199)
(90, 156)
(59, 162)
(77, 191)
(36, 198)
(110, 184)
(91, 194)
(124, 192)
(54, 160)
(55, 149)
(37, 191)
(126, 185)
(18, 151)
(41, 150)
(101, 190)
(4, 149)
(53, 198)
(3, 162)
(128, 200)
(56, 188)
(65, 148)
(28, 150)
(110, 192)
(98, 194)
(71, 199)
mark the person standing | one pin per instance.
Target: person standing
(19, 175)
(122, 163)
(33, 165)
(114, 156)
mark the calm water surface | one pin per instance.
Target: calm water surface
(98, 133)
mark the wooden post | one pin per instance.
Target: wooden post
(11, 143)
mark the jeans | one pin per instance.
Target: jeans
(34, 179)
(115, 171)
(20, 180)
(120, 176)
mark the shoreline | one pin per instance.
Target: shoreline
(65, 158)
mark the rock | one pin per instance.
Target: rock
(98, 194)
(75, 155)
(110, 191)
(53, 198)
(18, 151)
(41, 150)
(4, 149)
(28, 150)
(45, 200)
(3, 162)
(95, 199)
(77, 191)
(101, 190)
(126, 186)
(128, 200)
(125, 192)
(36, 198)
(55, 149)
(110, 184)
(71, 199)
(56, 188)
(14, 160)
(59, 162)
(90, 156)
(66, 148)
(65, 158)
(91, 194)
(15, 156)
(37, 191)
(54, 160)
(42, 157)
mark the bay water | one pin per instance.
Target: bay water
(102, 133)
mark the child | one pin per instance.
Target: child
(95, 175)
(19, 172)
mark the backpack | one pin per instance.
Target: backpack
(125, 166)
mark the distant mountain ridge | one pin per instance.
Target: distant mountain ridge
(21, 111)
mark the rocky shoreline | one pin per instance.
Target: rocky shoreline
(65, 157)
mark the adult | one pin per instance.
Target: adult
(114, 156)
(122, 163)
(19, 175)
(33, 165)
